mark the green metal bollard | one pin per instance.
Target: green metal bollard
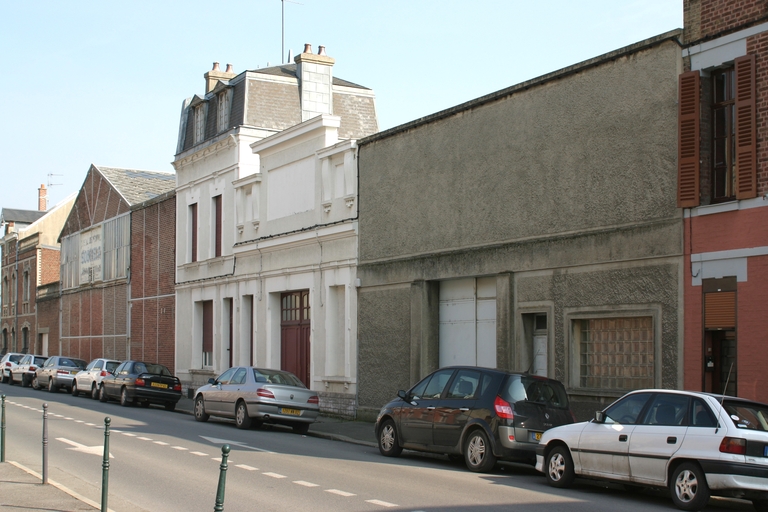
(222, 479)
(105, 467)
(2, 434)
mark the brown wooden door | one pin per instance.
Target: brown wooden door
(294, 334)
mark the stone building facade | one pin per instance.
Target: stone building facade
(533, 229)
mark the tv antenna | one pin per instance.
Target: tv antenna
(282, 49)
(50, 174)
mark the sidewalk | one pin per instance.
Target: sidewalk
(21, 488)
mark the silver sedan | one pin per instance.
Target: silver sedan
(252, 396)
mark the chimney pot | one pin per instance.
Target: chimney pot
(321, 50)
(42, 198)
(215, 66)
(229, 68)
(307, 48)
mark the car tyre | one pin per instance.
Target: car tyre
(200, 414)
(35, 383)
(559, 467)
(170, 406)
(124, 400)
(23, 381)
(103, 394)
(389, 442)
(3, 378)
(242, 420)
(300, 428)
(75, 391)
(94, 391)
(52, 388)
(478, 454)
(10, 380)
(688, 487)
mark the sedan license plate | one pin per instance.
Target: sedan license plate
(536, 436)
(291, 412)
(159, 385)
(73, 372)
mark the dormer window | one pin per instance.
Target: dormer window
(199, 124)
(223, 111)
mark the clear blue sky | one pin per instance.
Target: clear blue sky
(103, 82)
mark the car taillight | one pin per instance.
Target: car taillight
(313, 400)
(140, 382)
(32, 368)
(7, 363)
(177, 387)
(62, 372)
(103, 373)
(733, 445)
(265, 393)
(503, 409)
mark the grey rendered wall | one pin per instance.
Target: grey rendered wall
(568, 184)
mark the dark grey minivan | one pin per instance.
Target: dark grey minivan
(482, 414)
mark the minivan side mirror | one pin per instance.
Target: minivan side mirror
(599, 417)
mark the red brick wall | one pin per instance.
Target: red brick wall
(48, 318)
(50, 265)
(706, 18)
(758, 45)
(94, 322)
(153, 260)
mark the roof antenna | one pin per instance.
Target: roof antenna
(49, 180)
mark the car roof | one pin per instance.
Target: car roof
(702, 394)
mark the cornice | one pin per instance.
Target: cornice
(206, 152)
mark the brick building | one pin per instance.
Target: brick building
(723, 189)
(110, 242)
(30, 269)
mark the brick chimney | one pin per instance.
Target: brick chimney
(42, 198)
(315, 74)
(216, 74)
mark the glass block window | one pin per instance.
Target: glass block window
(615, 353)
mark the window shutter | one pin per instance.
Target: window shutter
(746, 143)
(720, 310)
(688, 140)
(208, 326)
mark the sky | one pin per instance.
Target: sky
(103, 82)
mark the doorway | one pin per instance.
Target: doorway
(294, 334)
(720, 375)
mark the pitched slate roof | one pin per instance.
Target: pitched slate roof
(137, 186)
(20, 216)
(289, 70)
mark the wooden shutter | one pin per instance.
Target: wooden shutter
(720, 310)
(217, 223)
(208, 326)
(746, 132)
(193, 215)
(688, 153)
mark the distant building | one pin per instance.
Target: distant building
(118, 247)
(266, 225)
(723, 189)
(30, 269)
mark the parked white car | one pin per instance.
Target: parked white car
(694, 444)
(24, 372)
(88, 380)
(7, 363)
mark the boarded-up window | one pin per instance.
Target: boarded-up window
(70, 261)
(117, 247)
(615, 353)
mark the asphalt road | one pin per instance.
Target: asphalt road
(164, 461)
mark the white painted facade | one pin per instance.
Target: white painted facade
(289, 223)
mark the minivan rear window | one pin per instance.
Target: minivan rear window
(534, 389)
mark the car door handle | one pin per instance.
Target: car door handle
(431, 408)
(623, 438)
(671, 440)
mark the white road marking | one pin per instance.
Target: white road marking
(274, 475)
(68, 419)
(305, 484)
(340, 493)
(79, 421)
(216, 440)
(144, 438)
(161, 443)
(199, 454)
(247, 467)
(90, 425)
(382, 503)
(129, 434)
(93, 450)
(178, 448)
(117, 431)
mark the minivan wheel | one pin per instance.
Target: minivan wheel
(478, 454)
(389, 445)
(242, 420)
(559, 467)
(688, 487)
(200, 414)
